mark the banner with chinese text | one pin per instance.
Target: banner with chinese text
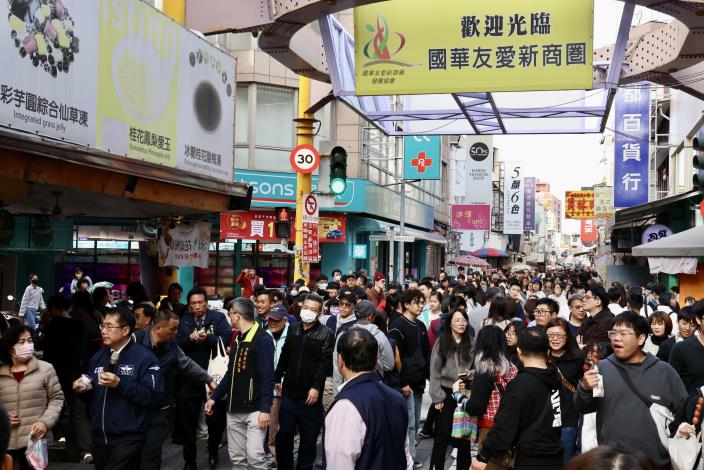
(471, 217)
(259, 225)
(120, 77)
(529, 204)
(184, 245)
(588, 232)
(579, 204)
(603, 202)
(514, 195)
(414, 47)
(631, 145)
(310, 251)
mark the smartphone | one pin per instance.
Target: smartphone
(464, 377)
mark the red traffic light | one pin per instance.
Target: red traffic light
(283, 214)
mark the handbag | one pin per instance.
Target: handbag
(464, 426)
(217, 366)
(683, 452)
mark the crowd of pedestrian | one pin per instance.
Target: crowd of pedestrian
(526, 370)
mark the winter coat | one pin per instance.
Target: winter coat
(37, 397)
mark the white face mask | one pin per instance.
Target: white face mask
(336, 278)
(24, 352)
(322, 285)
(308, 316)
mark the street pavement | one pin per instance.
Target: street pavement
(173, 458)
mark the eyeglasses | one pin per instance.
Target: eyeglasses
(556, 336)
(541, 312)
(620, 334)
(110, 327)
(345, 305)
(588, 297)
(510, 334)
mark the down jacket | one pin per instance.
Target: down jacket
(37, 397)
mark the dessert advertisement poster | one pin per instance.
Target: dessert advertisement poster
(118, 76)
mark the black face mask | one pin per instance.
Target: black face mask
(35, 281)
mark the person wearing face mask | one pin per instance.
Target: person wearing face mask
(32, 302)
(304, 364)
(336, 275)
(29, 390)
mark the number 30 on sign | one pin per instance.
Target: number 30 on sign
(305, 159)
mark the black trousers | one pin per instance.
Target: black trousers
(430, 418)
(157, 434)
(117, 456)
(190, 408)
(295, 415)
(19, 457)
(443, 434)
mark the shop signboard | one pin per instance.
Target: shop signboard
(588, 232)
(259, 226)
(471, 217)
(631, 145)
(579, 204)
(655, 232)
(603, 202)
(359, 251)
(184, 245)
(529, 202)
(479, 167)
(421, 157)
(311, 243)
(412, 47)
(513, 199)
(119, 77)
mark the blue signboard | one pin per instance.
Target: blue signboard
(421, 157)
(631, 145)
(359, 251)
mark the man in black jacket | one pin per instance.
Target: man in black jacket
(160, 339)
(305, 362)
(199, 333)
(529, 418)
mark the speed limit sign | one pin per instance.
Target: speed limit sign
(305, 159)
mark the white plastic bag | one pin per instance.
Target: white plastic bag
(217, 367)
(589, 440)
(37, 453)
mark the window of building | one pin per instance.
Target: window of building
(241, 114)
(276, 108)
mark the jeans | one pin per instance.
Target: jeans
(295, 415)
(569, 442)
(244, 441)
(30, 318)
(414, 401)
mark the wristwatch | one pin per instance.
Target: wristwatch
(482, 459)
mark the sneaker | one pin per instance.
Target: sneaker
(454, 453)
(87, 458)
(418, 465)
(424, 434)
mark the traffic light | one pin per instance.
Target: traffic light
(698, 161)
(338, 170)
(283, 223)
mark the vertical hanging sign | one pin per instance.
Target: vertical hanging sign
(513, 199)
(311, 219)
(529, 209)
(631, 145)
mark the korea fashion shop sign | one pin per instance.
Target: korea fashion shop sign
(414, 47)
(119, 77)
(631, 145)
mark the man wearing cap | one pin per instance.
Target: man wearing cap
(344, 319)
(375, 294)
(364, 313)
(278, 330)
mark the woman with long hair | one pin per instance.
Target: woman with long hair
(512, 331)
(568, 359)
(451, 356)
(500, 313)
(492, 373)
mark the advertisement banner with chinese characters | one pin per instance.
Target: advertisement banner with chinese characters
(603, 202)
(413, 47)
(529, 204)
(311, 243)
(478, 169)
(421, 157)
(579, 204)
(259, 225)
(588, 232)
(184, 245)
(631, 145)
(119, 77)
(471, 217)
(513, 198)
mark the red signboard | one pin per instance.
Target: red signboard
(471, 217)
(259, 225)
(589, 233)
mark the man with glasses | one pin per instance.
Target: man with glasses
(545, 311)
(199, 333)
(621, 416)
(410, 336)
(595, 329)
(685, 350)
(344, 319)
(126, 385)
(576, 305)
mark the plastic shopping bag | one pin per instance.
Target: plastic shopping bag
(37, 453)
(217, 367)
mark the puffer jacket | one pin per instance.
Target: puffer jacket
(37, 397)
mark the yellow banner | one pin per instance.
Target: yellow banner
(423, 46)
(579, 204)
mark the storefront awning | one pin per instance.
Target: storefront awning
(688, 243)
(625, 217)
(432, 237)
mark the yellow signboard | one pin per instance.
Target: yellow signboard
(423, 46)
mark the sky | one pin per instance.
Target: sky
(572, 161)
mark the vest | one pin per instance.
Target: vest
(244, 374)
(385, 415)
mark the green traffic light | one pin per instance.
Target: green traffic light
(338, 185)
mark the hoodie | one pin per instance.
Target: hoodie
(621, 416)
(385, 363)
(529, 419)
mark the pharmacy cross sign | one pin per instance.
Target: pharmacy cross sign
(421, 162)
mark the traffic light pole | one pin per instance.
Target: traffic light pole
(304, 182)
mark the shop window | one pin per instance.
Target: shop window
(276, 110)
(241, 114)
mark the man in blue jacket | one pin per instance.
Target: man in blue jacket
(199, 333)
(126, 385)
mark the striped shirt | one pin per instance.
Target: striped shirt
(33, 298)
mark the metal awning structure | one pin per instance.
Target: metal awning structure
(669, 54)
